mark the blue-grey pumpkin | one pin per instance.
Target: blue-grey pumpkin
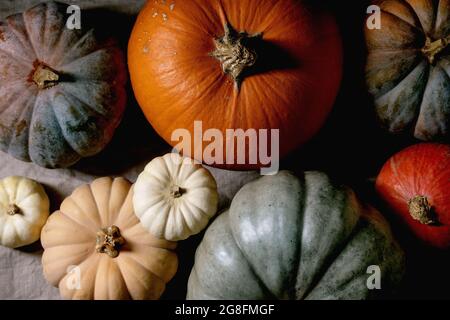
(62, 91)
(296, 237)
(408, 67)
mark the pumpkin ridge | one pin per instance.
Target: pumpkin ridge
(327, 260)
(24, 198)
(252, 269)
(77, 60)
(195, 170)
(99, 212)
(421, 31)
(413, 10)
(400, 80)
(435, 16)
(188, 212)
(8, 104)
(15, 57)
(83, 274)
(18, 37)
(65, 92)
(67, 53)
(104, 216)
(45, 93)
(420, 101)
(131, 274)
(24, 117)
(113, 217)
(421, 107)
(93, 147)
(258, 278)
(334, 255)
(373, 73)
(23, 111)
(117, 262)
(85, 227)
(144, 267)
(30, 40)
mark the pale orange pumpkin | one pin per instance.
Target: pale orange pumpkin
(246, 64)
(96, 248)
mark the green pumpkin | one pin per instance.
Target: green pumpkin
(289, 237)
(408, 68)
(62, 91)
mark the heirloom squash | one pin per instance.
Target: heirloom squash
(408, 67)
(245, 64)
(415, 184)
(62, 91)
(289, 237)
(175, 197)
(95, 247)
(24, 209)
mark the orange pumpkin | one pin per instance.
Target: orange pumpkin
(245, 64)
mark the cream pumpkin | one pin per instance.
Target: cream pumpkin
(175, 197)
(95, 247)
(24, 208)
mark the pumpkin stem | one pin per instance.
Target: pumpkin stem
(420, 210)
(109, 241)
(234, 54)
(45, 77)
(176, 192)
(433, 48)
(13, 209)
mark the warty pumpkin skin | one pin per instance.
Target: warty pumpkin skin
(245, 64)
(415, 184)
(295, 237)
(97, 231)
(408, 67)
(62, 91)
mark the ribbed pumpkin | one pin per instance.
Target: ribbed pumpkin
(175, 197)
(295, 237)
(62, 91)
(24, 209)
(415, 184)
(95, 247)
(408, 67)
(244, 64)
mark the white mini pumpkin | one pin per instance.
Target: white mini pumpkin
(24, 209)
(175, 197)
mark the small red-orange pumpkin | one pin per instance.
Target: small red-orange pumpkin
(415, 183)
(244, 64)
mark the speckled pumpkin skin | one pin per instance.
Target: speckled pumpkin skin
(77, 117)
(289, 237)
(411, 94)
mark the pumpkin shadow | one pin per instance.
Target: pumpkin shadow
(270, 57)
(135, 142)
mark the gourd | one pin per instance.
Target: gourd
(95, 247)
(260, 65)
(62, 91)
(415, 185)
(174, 197)
(24, 209)
(295, 237)
(408, 67)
